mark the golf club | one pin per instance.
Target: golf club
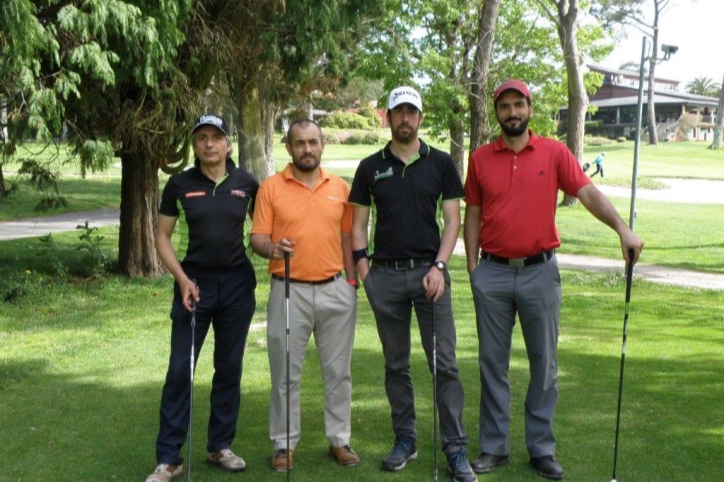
(629, 280)
(434, 389)
(286, 312)
(191, 392)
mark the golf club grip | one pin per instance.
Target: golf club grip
(629, 275)
(286, 274)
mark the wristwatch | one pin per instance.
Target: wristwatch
(440, 265)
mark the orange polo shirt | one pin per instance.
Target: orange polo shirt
(313, 218)
(518, 194)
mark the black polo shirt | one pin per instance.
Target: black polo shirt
(406, 200)
(211, 216)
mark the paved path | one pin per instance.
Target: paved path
(33, 227)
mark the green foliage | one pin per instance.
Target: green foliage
(39, 263)
(703, 86)
(345, 120)
(370, 114)
(96, 156)
(45, 181)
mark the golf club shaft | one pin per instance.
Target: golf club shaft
(434, 388)
(286, 311)
(629, 282)
(191, 389)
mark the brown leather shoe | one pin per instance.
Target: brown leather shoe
(344, 455)
(279, 460)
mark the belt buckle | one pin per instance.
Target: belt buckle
(516, 262)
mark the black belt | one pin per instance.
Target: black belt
(320, 282)
(403, 263)
(541, 257)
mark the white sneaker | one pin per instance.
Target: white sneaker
(226, 459)
(165, 473)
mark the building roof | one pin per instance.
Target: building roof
(627, 73)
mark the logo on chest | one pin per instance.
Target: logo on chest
(195, 194)
(383, 175)
(238, 193)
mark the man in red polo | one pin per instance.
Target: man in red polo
(511, 192)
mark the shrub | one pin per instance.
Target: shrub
(621, 139)
(596, 141)
(368, 138)
(345, 120)
(370, 114)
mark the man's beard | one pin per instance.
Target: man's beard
(511, 131)
(303, 163)
(404, 138)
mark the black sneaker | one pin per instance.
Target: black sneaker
(547, 467)
(488, 462)
(457, 464)
(403, 451)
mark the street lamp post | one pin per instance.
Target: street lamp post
(668, 51)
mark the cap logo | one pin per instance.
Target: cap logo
(399, 93)
(211, 119)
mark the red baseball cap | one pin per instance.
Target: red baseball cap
(512, 84)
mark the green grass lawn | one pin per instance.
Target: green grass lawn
(83, 364)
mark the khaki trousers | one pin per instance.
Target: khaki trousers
(329, 312)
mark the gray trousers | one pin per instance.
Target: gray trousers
(534, 293)
(392, 294)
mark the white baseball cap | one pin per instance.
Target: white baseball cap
(404, 95)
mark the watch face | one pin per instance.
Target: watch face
(440, 265)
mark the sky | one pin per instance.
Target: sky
(692, 25)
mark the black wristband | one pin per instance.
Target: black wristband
(359, 254)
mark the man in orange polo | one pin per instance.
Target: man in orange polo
(303, 211)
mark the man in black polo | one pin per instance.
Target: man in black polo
(211, 270)
(410, 186)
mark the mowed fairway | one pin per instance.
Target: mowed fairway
(83, 362)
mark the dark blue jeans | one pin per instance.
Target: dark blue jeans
(227, 303)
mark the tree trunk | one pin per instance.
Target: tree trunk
(139, 210)
(479, 94)
(716, 140)
(650, 107)
(577, 97)
(268, 111)
(3, 189)
(252, 148)
(457, 141)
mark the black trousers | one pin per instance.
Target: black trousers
(227, 303)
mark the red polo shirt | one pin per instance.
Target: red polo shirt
(518, 194)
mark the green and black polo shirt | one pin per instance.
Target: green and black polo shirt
(406, 201)
(211, 216)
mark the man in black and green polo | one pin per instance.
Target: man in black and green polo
(410, 187)
(210, 202)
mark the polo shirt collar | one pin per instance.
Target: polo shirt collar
(422, 152)
(287, 173)
(499, 145)
(229, 164)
